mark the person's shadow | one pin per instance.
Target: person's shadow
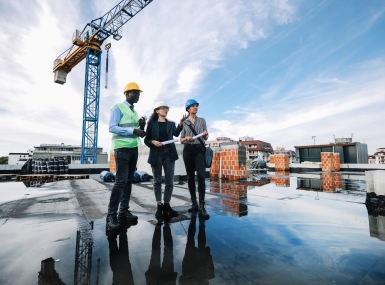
(119, 258)
(164, 273)
(197, 264)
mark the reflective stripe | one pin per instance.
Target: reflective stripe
(124, 137)
(128, 125)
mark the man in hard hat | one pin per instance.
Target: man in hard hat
(126, 128)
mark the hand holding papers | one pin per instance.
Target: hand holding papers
(170, 141)
(198, 136)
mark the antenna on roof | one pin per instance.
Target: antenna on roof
(313, 137)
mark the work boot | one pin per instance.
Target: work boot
(125, 216)
(202, 211)
(168, 210)
(159, 211)
(112, 222)
(194, 206)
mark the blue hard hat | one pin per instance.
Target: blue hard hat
(190, 102)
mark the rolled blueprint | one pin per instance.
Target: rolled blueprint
(170, 141)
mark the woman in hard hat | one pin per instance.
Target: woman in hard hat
(159, 130)
(194, 156)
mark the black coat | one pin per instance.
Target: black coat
(152, 133)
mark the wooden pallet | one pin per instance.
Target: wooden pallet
(34, 177)
(70, 177)
(7, 177)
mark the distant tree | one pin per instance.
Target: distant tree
(4, 160)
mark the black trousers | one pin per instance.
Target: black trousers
(194, 161)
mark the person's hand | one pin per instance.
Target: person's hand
(139, 133)
(156, 143)
(142, 123)
(184, 117)
(190, 139)
(206, 135)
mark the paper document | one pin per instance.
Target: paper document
(170, 141)
(198, 136)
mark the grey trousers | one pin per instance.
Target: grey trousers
(164, 161)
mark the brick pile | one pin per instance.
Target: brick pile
(336, 161)
(112, 162)
(233, 165)
(327, 161)
(281, 161)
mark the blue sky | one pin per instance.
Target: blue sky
(279, 71)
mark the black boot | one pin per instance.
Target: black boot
(194, 206)
(159, 211)
(112, 223)
(126, 217)
(169, 211)
(202, 211)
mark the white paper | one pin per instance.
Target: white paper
(170, 141)
(198, 136)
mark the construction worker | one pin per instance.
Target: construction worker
(126, 128)
(194, 155)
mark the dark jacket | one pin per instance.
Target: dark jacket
(152, 133)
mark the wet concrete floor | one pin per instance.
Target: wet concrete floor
(277, 229)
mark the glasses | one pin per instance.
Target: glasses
(164, 108)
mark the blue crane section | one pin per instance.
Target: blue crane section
(87, 45)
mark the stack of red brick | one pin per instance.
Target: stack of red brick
(112, 162)
(330, 161)
(227, 160)
(281, 161)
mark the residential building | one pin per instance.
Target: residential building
(70, 152)
(291, 153)
(218, 141)
(257, 149)
(378, 157)
(15, 158)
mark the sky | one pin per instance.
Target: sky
(279, 71)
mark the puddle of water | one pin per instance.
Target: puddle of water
(268, 231)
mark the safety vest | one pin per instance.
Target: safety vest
(129, 119)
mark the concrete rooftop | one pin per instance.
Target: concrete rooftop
(55, 234)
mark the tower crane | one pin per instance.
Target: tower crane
(87, 45)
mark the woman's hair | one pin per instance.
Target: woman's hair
(154, 117)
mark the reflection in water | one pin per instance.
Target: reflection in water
(197, 265)
(119, 258)
(328, 182)
(281, 178)
(375, 205)
(48, 274)
(83, 262)
(164, 273)
(83, 257)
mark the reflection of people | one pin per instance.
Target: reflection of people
(120, 260)
(159, 130)
(126, 128)
(157, 274)
(194, 155)
(197, 264)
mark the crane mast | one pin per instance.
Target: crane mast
(87, 45)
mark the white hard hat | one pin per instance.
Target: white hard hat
(160, 104)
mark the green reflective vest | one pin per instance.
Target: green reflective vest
(129, 119)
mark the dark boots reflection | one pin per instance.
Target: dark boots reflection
(158, 273)
(197, 265)
(119, 258)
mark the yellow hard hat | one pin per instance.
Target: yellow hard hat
(131, 86)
